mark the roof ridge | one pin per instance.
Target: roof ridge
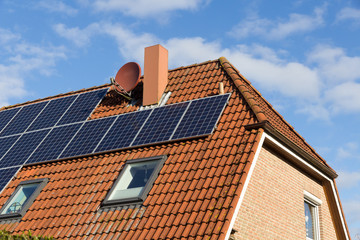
(193, 65)
(237, 77)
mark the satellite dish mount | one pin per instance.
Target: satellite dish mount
(126, 79)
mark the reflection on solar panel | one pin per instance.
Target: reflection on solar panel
(52, 113)
(23, 119)
(201, 117)
(88, 137)
(78, 137)
(81, 109)
(161, 125)
(123, 131)
(54, 143)
(6, 116)
(6, 174)
(22, 149)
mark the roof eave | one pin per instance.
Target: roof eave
(328, 171)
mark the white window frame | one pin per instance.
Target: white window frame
(146, 189)
(315, 202)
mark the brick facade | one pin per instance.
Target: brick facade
(273, 205)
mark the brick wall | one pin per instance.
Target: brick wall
(273, 205)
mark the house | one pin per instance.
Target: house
(214, 161)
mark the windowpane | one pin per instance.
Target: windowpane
(133, 180)
(309, 220)
(20, 198)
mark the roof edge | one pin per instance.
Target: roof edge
(237, 79)
(261, 116)
(298, 150)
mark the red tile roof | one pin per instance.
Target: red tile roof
(195, 194)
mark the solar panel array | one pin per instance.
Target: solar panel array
(26, 132)
(70, 134)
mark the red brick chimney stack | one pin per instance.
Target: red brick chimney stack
(155, 74)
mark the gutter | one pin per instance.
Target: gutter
(291, 145)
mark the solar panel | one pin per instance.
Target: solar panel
(123, 131)
(6, 174)
(52, 113)
(81, 109)
(79, 136)
(201, 117)
(161, 124)
(43, 141)
(6, 116)
(22, 149)
(23, 119)
(6, 143)
(54, 143)
(88, 137)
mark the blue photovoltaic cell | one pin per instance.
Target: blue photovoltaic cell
(23, 148)
(161, 124)
(6, 175)
(6, 143)
(177, 121)
(54, 143)
(81, 109)
(52, 113)
(6, 116)
(23, 119)
(88, 137)
(201, 117)
(123, 131)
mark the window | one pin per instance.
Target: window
(135, 181)
(22, 198)
(312, 225)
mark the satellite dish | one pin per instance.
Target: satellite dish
(127, 78)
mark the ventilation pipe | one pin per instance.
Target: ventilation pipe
(155, 74)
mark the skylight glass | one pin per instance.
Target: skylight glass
(135, 180)
(23, 197)
(20, 198)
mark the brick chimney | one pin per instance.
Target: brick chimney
(155, 74)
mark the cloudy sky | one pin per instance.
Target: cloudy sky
(302, 55)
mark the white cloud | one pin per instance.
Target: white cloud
(352, 211)
(80, 37)
(315, 111)
(7, 36)
(11, 84)
(278, 29)
(291, 79)
(57, 6)
(146, 8)
(334, 65)
(348, 180)
(184, 51)
(322, 86)
(344, 97)
(19, 61)
(348, 14)
(130, 44)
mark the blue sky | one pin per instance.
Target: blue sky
(303, 56)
